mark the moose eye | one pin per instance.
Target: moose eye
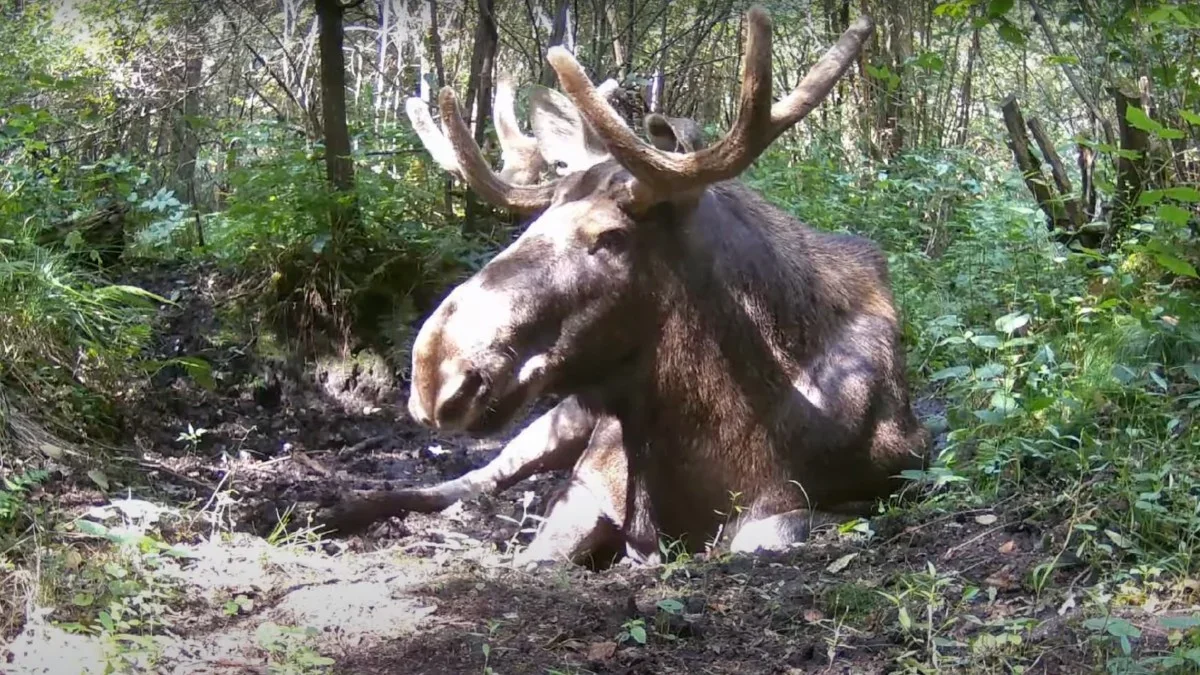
(613, 240)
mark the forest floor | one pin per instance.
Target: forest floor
(924, 589)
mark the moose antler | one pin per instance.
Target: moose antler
(514, 145)
(517, 150)
(475, 170)
(433, 140)
(758, 123)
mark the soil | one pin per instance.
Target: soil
(436, 594)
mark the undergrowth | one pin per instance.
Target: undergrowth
(1070, 375)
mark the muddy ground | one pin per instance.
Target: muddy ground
(435, 593)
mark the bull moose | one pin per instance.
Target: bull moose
(709, 345)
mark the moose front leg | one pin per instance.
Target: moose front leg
(553, 442)
(584, 521)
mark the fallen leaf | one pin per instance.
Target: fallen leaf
(601, 651)
(986, 518)
(1068, 604)
(1003, 579)
(1008, 546)
(841, 563)
(99, 478)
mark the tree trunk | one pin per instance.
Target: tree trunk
(1087, 173)
(439, 69)
(479, 80)
(557, 33)
(1031, 167)
(1131, 171)
(339, 167)
(189, 141)
(435, 45)
(618, 47)
(479, 87)
(385, 28)
(1070, 203)
(964, 103)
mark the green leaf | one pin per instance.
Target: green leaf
(931, 61)
(1040, 403)
(953, 372)
(1180, 622)
(92, 528)
(99, 478)
(1066, 59)
(989, 371)
(957, 8)
(998, 8)
(1003, 403)
(638, 633)
(1140, 120)
(1190, 117)
(134, 292)
(1183, 194)
(83, 599)
(670, 606)
(1174, 265)
(1012, 322)
(986, 341)
(1169, 134)
(199, 370)
(1173, 214)
(1151, 197)
(1120, 540)
(1010, 33)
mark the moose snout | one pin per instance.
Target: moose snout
(452, 401)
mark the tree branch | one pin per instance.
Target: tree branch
(1075, 83)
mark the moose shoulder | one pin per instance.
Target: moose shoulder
(742, 352)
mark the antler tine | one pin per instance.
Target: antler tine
(475, 169)
(819, 81)
(758, 122)
(433, 140)
(505, 115)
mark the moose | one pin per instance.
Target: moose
(710, 348)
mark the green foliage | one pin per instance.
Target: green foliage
(66, 336)
(1069, 373)
(12, 494)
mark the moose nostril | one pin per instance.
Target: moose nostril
(458, 398)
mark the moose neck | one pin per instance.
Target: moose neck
(743, 296)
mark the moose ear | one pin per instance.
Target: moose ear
(566, 141)
(673, 134)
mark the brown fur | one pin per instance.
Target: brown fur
(741, 352)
